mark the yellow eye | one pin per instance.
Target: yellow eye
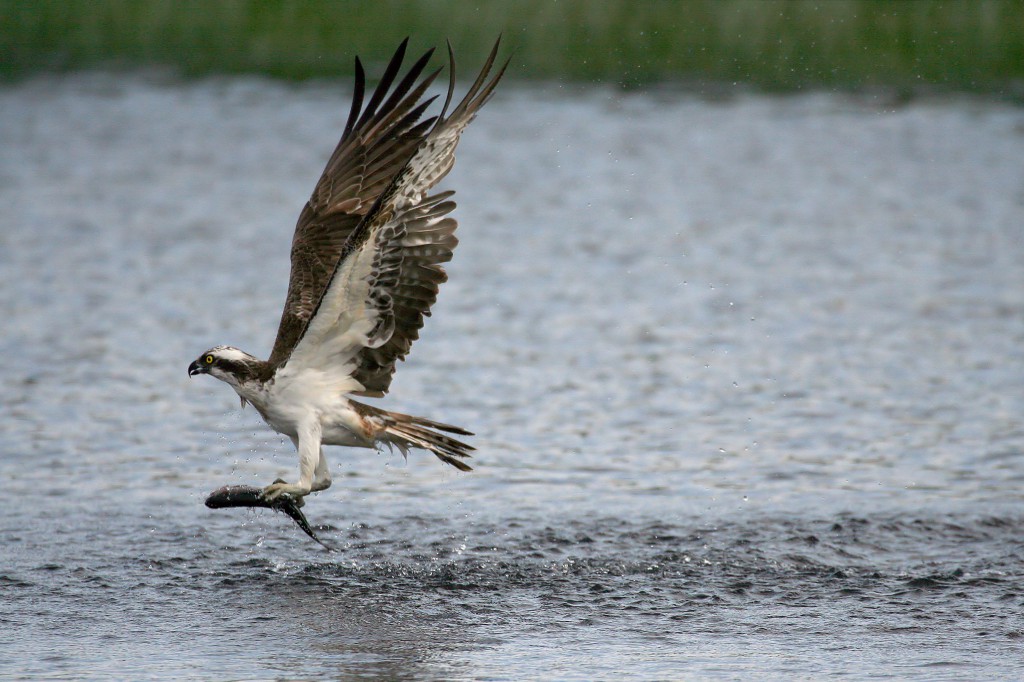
(208, 359)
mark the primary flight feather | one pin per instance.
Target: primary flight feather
(366, 265)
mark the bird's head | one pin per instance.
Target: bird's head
(226, 363)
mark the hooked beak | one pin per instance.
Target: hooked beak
(195, 368)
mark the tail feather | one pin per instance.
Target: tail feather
(434, 425)
(405, 431)
(447, 449)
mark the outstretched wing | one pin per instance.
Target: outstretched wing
(377, 142)
(390, 270)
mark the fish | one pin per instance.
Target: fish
(251, 496)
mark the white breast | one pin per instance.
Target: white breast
(292, 397)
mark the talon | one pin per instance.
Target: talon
(280, 489)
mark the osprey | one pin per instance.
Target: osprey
(365, 268)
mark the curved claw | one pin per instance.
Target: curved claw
(280, 488)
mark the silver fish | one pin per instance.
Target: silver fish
(251, 496)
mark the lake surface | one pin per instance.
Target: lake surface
(747, 375)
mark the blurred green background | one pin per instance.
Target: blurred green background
(975, 45)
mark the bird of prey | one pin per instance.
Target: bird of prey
(365, 268)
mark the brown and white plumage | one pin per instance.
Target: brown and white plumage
(366, 265)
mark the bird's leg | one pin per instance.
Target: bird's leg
(322, 474)
(308, 445)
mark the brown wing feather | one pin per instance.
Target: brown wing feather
(425, 238)
(407, 234)
(407, 278)
(377, 142)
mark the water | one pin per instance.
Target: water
(747, 377)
